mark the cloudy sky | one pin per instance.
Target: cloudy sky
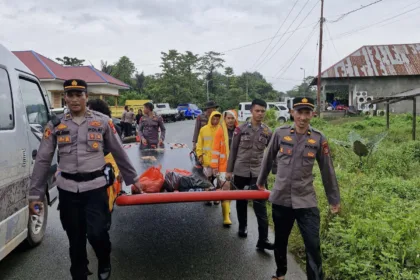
(141, 29)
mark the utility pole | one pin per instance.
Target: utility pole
(304, 74)
(318, 96)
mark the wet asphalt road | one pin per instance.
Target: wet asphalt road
(168, 242)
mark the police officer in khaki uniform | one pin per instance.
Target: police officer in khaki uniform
(203, 119)
(248, 144)
(149, 125)
(295, 148)
(129, 120)
(81, 136)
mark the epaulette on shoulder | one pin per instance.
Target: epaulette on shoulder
(55, 120)
(287, 126)
(316, 131)
(100, 115)
(237, 130)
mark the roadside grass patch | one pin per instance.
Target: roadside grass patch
(377, 233)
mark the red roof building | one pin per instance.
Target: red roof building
(52, 75)
(371, 72)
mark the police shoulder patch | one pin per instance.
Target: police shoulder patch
(325, 148)
(47, 132)
(111, 125)
(237, 130)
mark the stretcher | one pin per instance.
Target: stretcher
(170, 157)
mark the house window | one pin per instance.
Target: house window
(7, 121)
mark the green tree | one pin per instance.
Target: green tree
(106, 68)
(139, 82)
(228, 73)
(209, 63)
(124, 70)
(303, 89)
(70, 61)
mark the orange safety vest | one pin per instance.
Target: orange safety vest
(220, 152)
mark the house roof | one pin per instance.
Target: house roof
(45, 69)
(377, 61)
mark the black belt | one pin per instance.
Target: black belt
(82, 177)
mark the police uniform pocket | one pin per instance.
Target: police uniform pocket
(262, 142)
(94, 142)
(64, 144)
(308, 157)
(245, 141)
(284, 155)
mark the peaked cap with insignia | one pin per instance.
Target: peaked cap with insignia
(75, 85)
(303, 103)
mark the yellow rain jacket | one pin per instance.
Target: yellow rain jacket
(205, 140)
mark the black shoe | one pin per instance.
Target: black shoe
(265, 244)
(243, 232)
(104, 272)
(88, 272)
(208, 203)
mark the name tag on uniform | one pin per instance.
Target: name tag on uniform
(94, 129)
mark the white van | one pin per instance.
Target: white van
(24, 112)
(282, 112)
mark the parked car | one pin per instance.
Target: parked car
(282, 112)
(24, 114)
(165, 111)
(191, 111)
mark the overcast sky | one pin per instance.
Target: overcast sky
(140, 29)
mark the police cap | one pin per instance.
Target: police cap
(303, 103)
(259, 102)
(75, 85)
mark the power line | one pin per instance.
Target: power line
(307, 15)
(266, 39)
(278, 30)
(264, 61)
(361, 28)
(332, 41)
(293, 58)
(353, 11)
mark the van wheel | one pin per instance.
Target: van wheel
(281, 120)
(37, 226)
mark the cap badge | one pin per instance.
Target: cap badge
(304, 100)
(74, 83)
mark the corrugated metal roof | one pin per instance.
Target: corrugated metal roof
(377, 61)
(45, 68)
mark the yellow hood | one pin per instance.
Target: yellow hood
(211, 115)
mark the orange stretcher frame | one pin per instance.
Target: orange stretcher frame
(177, 197)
